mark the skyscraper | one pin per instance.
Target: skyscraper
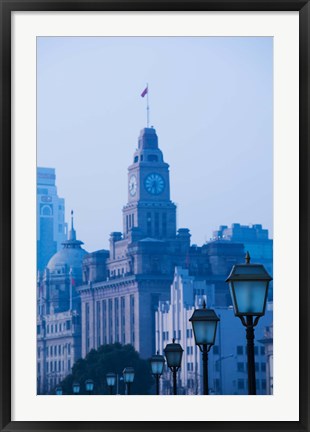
(51, 226)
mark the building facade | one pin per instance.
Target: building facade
(59, 314)
(51, 226)
(227, 359)
(122, 287)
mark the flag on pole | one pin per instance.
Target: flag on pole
(145, 91)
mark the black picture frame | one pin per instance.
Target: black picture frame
(9, 6)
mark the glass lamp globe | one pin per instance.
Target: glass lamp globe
(248, 285)
(89, 385)
(111, 378)
(157, 364)
(173, 353)
(128, 374)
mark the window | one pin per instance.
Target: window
(47, 328)
(69, 348)
(39, 352)
(46, 210)
(46, 367)
(262, 350)
(164, 224)
(136, 159)
(68, 325)
(263, 367)
(263, 384)
(216, 349)
(38, 329)
(39, 368)
(59, 349)
(256, 350)
(257, 367)
(257, 384)
(240, 384)
(56, 328)
(239, 349)
(51, 351)
(240, 367)
(152, 158)
(149, 223)
(157, 224)
(98, 313)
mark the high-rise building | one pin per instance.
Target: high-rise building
(51, 226)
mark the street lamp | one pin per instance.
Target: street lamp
(89, 385)
(58, 390)
(111, 378)
(248, 284)
(204, 322)
(129, 376)
(174, 353)
(76, 387)
(157, 365)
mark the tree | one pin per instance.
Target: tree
(110, 358)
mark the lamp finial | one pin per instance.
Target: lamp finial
(247, 258)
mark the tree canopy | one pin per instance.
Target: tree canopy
(110, 358)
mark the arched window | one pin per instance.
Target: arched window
(46, 210)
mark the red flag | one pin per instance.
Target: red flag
(144, 91)
(72, 281)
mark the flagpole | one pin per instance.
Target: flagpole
(147, 107)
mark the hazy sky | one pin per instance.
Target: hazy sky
(211, 104)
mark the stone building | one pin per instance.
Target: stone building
(122, 286)
(59, 314)
(51, 226)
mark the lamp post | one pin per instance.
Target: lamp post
(204, 322)
(174, 353)
(89, 385)
(157, 365)
(58, 390)
(111, 378)
(129, 376)
(76, 388)
(248, 284)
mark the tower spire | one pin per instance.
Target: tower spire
(72, 233)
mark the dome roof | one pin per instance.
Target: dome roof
(71, 256)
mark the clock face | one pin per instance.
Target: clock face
(154, 184)
(132, 185)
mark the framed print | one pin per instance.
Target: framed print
(154, 221)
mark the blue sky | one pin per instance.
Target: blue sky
(211, 102)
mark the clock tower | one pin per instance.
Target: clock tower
(149, 209)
